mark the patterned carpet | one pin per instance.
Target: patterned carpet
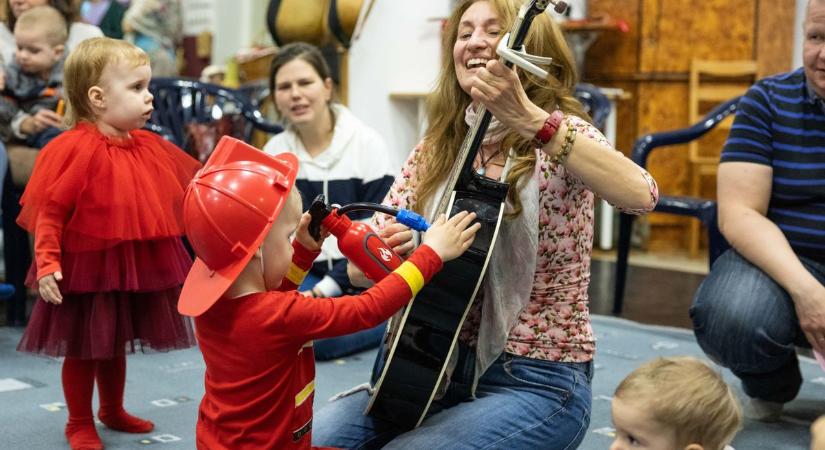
(166, 388)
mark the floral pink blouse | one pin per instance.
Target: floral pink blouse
(555, 325)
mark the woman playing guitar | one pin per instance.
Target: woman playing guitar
(528, 330)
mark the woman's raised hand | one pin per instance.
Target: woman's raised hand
(499, 89)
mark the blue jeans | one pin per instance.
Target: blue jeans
(337, 347)
(521, 403)
(747, 322)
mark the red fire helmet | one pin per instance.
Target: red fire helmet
(228, 209)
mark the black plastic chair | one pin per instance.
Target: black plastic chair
(179, 102)
(702, 209)
(256, 92)
(595, 103)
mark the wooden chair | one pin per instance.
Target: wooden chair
(711, 83)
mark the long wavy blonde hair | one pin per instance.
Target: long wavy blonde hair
(447, 102)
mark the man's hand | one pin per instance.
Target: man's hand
(810, 308)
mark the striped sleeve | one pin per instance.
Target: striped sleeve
(750, 137)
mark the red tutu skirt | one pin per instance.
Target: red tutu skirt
(115, 301)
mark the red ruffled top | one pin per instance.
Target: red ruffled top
(91, 192)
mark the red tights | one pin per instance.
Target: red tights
(78, 384)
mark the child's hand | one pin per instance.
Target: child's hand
(2, 79)
(48, 288)
(450, 238)
(304, 238)
(41, 120)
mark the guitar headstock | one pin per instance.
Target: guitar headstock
(559, 6)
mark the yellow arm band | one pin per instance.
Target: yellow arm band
(295, 274)
(410, 273)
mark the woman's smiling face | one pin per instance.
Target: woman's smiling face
(478, 34)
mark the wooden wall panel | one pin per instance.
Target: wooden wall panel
(652, 62)
(625, 115)
(613, 52)
(775, 36)
(661, 107)
(626, 118)
(668, 237)
(675, 31)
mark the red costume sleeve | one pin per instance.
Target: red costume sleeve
(301, 263)
(47, 238)
(304, 318)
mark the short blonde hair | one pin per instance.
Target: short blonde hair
(84, 68)
(46, 19)
(687, 396)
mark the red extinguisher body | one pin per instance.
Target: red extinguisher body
(362, 247)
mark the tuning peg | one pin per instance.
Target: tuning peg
(560, 7)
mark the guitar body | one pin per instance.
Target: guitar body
(429, 327)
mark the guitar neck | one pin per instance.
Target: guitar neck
(463, 165)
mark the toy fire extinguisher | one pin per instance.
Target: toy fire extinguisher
(357, 240)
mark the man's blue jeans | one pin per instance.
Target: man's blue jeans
(522, 403)
(747, 322)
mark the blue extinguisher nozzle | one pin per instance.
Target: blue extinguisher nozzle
(413, 220)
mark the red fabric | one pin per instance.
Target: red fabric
(129, 266)
(107, 325)
(78, 378)
(111, 381)
(302, 258)
(99, 192)
(106, 213)
(259, 357)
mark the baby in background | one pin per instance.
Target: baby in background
(675, 403)
(32, 88)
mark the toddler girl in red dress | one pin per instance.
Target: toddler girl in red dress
(103, 204)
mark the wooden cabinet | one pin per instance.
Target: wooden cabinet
(652, 62)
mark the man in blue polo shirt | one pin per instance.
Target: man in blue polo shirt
(766, 296)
